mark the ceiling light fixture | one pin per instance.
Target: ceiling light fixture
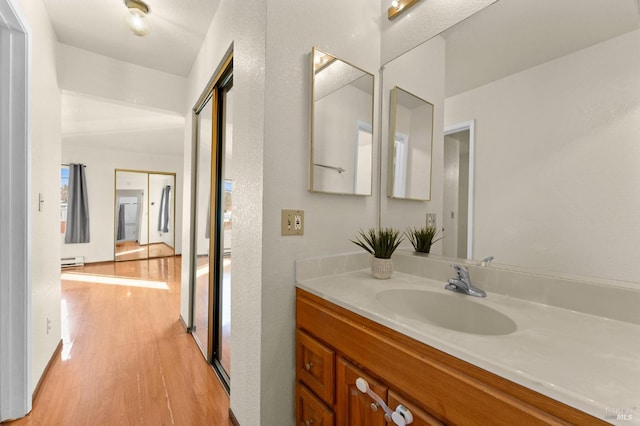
(399, 6)
(136, 17)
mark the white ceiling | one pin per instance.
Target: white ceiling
(513, 35)
(102, 123)
(177, 30)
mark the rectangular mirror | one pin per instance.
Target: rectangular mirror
(341, 127)
(548, 92)
(144, 214)
(410, 141)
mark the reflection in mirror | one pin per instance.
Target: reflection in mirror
(411, 131)
(341, 127)
(161, 213)
(144, 214)
(131, 216)
(553, 90)
(202, 241)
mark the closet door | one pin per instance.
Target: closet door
(202, 241)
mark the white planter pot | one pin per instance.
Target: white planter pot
(381, 268)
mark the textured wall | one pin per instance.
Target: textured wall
(45, 178)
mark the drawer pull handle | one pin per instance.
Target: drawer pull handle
(308, 366)
(401, 416)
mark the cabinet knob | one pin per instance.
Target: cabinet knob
(308, 422)
(308, 366)
(374, 407)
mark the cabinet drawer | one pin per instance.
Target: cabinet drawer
(315, 366)
(310, 410)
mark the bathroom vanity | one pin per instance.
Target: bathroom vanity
(553, 366)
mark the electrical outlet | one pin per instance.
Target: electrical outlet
(48, 325)
(431, 220)
(292, 222)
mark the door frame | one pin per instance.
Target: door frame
(15, 213)
(470, 126)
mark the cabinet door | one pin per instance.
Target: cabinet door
(420, 416)
(310, 410)
(354, 408)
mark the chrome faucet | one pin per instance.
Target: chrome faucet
(462, 283)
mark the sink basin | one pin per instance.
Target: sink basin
(450, 311)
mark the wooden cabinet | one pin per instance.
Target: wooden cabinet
(310, 410)
(315, 366)
(436, 387)
(420, 416)
(353, 407)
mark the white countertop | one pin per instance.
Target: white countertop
(588, 362)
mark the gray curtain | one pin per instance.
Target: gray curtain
(163, 217)
(121, 233)
(77, 207)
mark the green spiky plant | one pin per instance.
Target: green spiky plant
(422, 238)
(380, 243)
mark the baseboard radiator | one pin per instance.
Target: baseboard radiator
(69, 262)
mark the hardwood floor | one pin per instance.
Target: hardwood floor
(126, 358)
(131, 250)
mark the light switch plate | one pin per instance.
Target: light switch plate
(292, 222)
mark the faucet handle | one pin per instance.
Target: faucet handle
(486, 261)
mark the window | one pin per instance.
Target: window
(64, 197)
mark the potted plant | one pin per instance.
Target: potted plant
(422, 238)
(381, 244)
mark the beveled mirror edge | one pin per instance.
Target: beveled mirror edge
(312, 125)
(392, 131)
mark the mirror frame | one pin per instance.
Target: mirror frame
(313, 123)
(392, 151)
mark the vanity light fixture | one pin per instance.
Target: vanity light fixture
(136, 17)
(399, 6)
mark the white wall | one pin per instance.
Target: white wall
(45, 178)
(420, 72)
(101, 164)
(243, 25)
(350, 31)
(557, 162)
(270, 163)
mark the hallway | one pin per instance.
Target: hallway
(126, 358)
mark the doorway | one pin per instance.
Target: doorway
(213, 222)
(16, 212)
(458, 191)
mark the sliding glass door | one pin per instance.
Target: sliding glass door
(213, 222)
